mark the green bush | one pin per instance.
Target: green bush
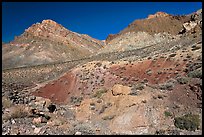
(167, 86)
(100, 92)
(182, 80)
(189, 122)
(167, 114)
(195, 74)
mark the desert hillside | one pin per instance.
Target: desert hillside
(145, 80)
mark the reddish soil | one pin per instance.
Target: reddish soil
(185, 96)
(138, 71)
(70, 84)
(58, 91)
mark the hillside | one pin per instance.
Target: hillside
(156, 29)
(47, 42)
(140, 83)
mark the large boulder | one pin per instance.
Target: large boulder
(120, 90)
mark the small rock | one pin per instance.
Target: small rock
(36, 130)
(13, 121)
(92, 107)
(37, 120)
(78, 133)
(44, 120)
(144, 101)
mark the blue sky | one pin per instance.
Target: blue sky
(97, 19)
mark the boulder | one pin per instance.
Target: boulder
(120, 90)
(188, 26)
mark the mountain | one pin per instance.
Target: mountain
(47, 42)
(158, 28)
(157, 23)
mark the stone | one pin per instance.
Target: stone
(37, 130)
(78, 133)
(37, 120)
(188, 26)
(120, 90)
(13, 121)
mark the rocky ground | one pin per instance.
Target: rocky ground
(152, 89)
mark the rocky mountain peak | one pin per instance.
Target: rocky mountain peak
(46, 27)
(49, 21)
(158, 14)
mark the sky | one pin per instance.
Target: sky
(97, 19)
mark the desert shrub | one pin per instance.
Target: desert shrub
(189, 122)
(100, 92)
(195, 74)
(182, 80)
(199, 58)
(103, 108)
(185, 59)
(92, 104)
(76, 100)
(167, 114)
(188, 56)
(160, 132)
(108, 117)
(98, 64)
(149, 72)
(149, 58)
(167, 86)
(18, 112)
(159, 72)
(144, 81)
(160, 96)
(172, 55)
(195, 48)
(6, 102)
(133, 93)
(139, 86)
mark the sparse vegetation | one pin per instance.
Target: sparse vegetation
(18, 112)
(149, 58)
(108, 117)
(76, 100)
(6, 102)
(167, 114)
(182, 80)
(172, 55)
(195, 47)
(102, 109)
(189, 122)
(98, 64)
(159, 72)
(160, 132)
(167, 86)
(160, 96)
(133, 93)
(195, 74)
(149, 72)
(100, 92)
(139, 86)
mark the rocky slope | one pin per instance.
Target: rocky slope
(152, 89)
(156, 29)
(47, 42)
